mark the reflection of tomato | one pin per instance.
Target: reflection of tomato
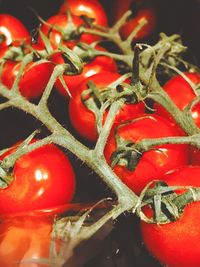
(182, 94)
(97, 65)
(90, 8)
(177, 244)
(42, 178)
(24, 238)
(31, 84)
(154, 162)
(64, 35)
(83, 120)
(11, 29)
(141, 10)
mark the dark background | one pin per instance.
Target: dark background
(175, 16)
(123, 248)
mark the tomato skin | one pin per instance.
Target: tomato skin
(194, 155)
(31, 84)
(177, 244)
(97, 65)
(83, 120)
(146, 12)
(182, 94)
(43, 178)
(90, 8)
(57, 38)
(153, 163)
(13, 30)
(24, 238)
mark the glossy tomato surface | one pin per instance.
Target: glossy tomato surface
(43, 178)
(90, 8)
(177, 244)
(182, 95)
(83, 119)
(59, 31)
(154, 162)
(97, 65)
(141, 10)
(33, 80)
(12, 30)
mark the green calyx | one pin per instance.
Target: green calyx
(166, 204)
(5, 178)
(125, 155)
(98, 100)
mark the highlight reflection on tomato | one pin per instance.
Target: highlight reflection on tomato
(31, 84)
(43, 178)
(12, 30)
(59, 31)
(90, 8)
(182, 94)
(141, 9)
(153, 162)
(83, 119)
(97, 65)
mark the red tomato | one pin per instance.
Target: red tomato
(90, 8)
(177, 244)
(83, 120)
(97, 65)
(24, 238)
(12, 30)
(143, 11)
(57, 37)
(194, 155)
(154, 162)
(31, 84)
(43, 178)
(182, 94)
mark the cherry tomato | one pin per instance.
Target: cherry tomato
(182, 94)
(141, 10)
(65, 34)
(97, 65)
(83, 119)
(43, 178)
(177, 244)
(12, 30)
(90, 8)
(154, 162)
(31, 84)
(24, 238)
(194, 155)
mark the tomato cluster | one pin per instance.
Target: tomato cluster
(44, 178)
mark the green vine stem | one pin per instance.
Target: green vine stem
(62, 137)
(147, 144)
(150, 58)
(103, 136)
(183, 118)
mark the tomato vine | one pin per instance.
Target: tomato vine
(144, 62)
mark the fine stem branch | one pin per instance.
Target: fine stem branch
(26, 60)
(186, 122)
(10, 160)
(101, 142)
(147, 144)
(116, 27)
(58, 70)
